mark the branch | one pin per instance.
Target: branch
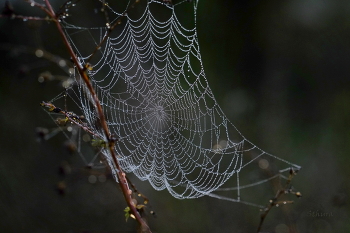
(111, 141)
(72, 117)
(8, 12)
(24, 18)
(275, 202)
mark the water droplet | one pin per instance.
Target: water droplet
(25, 19)
(92, 179)
(41, 79)
(102, 178)
(62, 63)
(39, 53)
(86, 138)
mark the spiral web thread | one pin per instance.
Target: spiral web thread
(150, 81)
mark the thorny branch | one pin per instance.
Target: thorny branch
(55, 17)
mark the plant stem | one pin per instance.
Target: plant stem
(120, 174)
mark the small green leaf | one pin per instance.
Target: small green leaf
(98, 143)
(127, 213)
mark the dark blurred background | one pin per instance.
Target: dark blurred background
(280, 71)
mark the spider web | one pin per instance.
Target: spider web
(151, 83)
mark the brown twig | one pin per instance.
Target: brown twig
(8, 12)
(24, 18)
(109, 138)
(275, 201)
(72, 117)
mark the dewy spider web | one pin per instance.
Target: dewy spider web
(150, 81)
